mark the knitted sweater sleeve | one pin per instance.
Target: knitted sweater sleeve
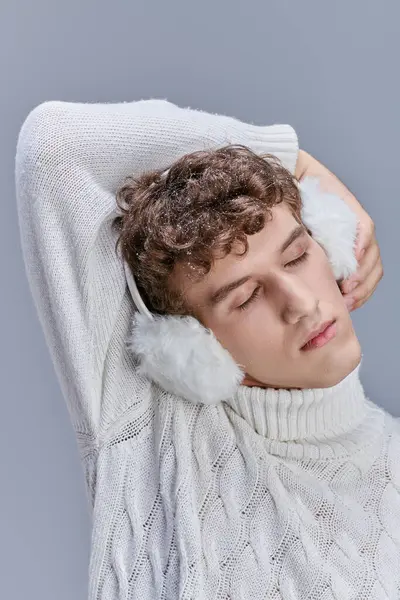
(70, 159)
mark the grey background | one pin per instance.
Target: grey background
(330, 69)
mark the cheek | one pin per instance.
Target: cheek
(319, 256)
(322, 279)
(243, 336)
(254, 336)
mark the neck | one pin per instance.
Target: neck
(306, 423)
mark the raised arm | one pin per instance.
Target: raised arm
(71, 158)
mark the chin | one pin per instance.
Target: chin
(340, 364)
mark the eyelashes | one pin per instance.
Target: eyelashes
(251, 299)
(298, 260)
(303, 257)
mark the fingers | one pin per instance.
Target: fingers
(365, 290)
(368, 263)
(359, 287)
(365, 235)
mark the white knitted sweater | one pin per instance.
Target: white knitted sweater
(274, 494)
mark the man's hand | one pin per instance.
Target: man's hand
(361, 285)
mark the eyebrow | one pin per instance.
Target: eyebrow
(223, 291)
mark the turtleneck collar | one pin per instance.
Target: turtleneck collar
(308, 423)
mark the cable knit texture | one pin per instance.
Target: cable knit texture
(276, 494)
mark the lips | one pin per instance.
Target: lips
(317, 331)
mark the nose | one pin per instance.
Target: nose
(297, 300)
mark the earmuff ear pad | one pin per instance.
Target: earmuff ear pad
(184, 358)
(332, 224)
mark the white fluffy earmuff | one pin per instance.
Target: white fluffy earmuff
(184, 357)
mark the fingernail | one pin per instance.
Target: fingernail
(349, 302)
(351, 286)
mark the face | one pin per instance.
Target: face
(282, 291)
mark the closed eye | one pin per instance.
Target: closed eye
(298, 260)
(251, 299)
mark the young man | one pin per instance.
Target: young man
(275, 493)
(220, 238)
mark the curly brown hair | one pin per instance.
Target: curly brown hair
(198, 209)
